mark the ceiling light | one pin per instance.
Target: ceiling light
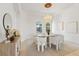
(48, 5)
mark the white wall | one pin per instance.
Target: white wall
(25, 23)
(28, 24)
(68, 15)
(6, 8)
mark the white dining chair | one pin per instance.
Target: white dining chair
(41, 42)
(57, 40)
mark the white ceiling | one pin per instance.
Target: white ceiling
(39, 7)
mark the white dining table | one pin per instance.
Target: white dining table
(55, 38)
(46, 35)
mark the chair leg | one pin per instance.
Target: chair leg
(61, 46)
(50, 45)
(38, 48)
(57, 47)
(42, 48)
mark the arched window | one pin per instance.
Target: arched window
(48, 28)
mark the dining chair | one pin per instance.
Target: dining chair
(41, 42)
(57, 40)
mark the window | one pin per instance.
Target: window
(39, 27)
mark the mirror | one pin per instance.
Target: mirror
(7, 21)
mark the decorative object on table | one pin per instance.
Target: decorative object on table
(11, 34)
(7, 32)
(14, 34)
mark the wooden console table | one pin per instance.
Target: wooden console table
(10, 49)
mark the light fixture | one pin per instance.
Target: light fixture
(47, 18)
(48, 5)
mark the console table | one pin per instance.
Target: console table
(10, 49)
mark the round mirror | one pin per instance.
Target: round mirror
(7, 21)
(7, 24)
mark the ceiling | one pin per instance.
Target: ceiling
(39, 7)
